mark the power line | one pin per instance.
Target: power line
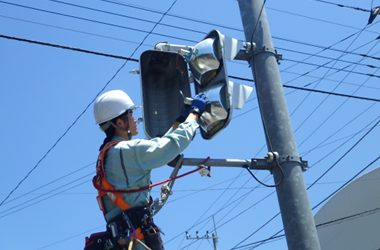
(326, 79)
(327, 48)
(73, 30)
(95, 21)
(69, 48)
(345, 184)
(320, 104)
(317, 19)
(325, 57)
(313, 90)
(341, 219)
(53, 195)
(315, 183)
(270, 239)
(339, 105)
(171, 15)
(54, 181)
(177, 16)
(339, 129)
(332, 68)
(344, 6)
(136, 60)
(129, 17)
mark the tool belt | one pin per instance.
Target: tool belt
(124, 226)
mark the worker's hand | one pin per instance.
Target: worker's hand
(199, 103)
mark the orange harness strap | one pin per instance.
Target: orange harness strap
(100, 183)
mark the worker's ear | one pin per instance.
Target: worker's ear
(119, 123)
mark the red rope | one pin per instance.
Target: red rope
(156, 184)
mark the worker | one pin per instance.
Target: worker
(128, 164)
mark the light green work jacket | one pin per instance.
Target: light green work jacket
(139, 158)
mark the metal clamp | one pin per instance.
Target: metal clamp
(286, 158)
(269, 50)
(274, 156)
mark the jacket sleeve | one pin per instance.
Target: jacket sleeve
(157, 152)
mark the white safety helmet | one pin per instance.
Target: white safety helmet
(112, 104)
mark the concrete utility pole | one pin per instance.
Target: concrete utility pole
(292, 195)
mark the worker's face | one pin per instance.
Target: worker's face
(132, 124)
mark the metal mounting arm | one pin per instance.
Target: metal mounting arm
(255, 163)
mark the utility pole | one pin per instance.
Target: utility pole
(292, 194)
(214, 236)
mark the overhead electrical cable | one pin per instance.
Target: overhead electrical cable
(344, 6)
(136, 60)
(52, 244)
(69, 48)
(346, 183)
(36, 202)
(179, 38)
(98, 22)
(337, 108)
(230, 204)
(345, 154)
(328, 48)
(339, 129)
(34, 198)
(330, 58)
(54, 181)
(328, 223)
(196, 223)
(314, 90)
(332, 68)
(312, 112)
(125, 16)
(310, 185)
(216, 199)
(318, 19)
(326, 79)
(77, 31)
(104, 87)
(171, 15)
(234, 207)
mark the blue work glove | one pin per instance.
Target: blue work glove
(199, 103)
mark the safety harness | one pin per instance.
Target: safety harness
(105, 188)
(143, 227)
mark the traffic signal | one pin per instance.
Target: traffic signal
(164, 81)
(165, 84)
(208, 67)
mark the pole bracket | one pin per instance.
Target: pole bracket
(287, 158)
(266, 49)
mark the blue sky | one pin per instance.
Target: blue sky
(44, 90)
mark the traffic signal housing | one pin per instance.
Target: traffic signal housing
(208, 68)
(164, 82)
